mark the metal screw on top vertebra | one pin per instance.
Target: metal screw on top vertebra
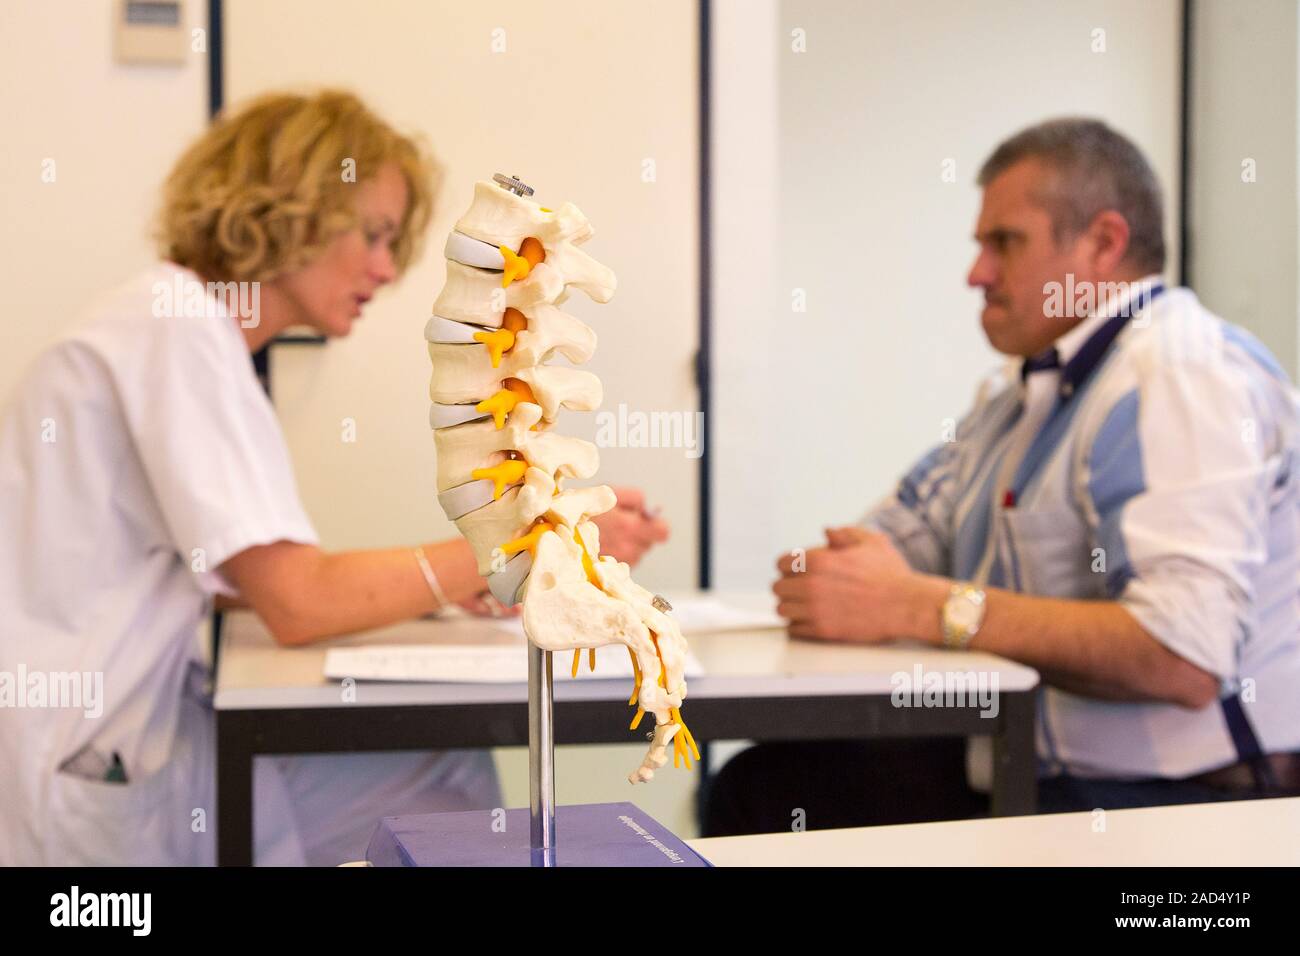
(512, 183)
(661, 604)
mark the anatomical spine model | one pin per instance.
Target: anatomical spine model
(500, 465)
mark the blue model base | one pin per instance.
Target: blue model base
(591, 834)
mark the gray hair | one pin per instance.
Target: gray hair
(1096, 169)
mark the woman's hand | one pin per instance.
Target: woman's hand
(486, 605)
(629, 530)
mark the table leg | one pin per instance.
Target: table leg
(1015, 778)
(234, 794)
(702, 783)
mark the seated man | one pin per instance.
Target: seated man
(1119, 510)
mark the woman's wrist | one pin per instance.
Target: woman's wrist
(431, 578)
(455, 568)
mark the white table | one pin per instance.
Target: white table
(758, 685)
(1236, 833)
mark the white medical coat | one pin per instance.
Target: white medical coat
(136, 456)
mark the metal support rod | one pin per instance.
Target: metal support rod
(541, 757)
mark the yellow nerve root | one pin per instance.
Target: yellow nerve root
(591, 659)
(517, 267)
(502, 475)
(497, 342)
(636, 677)
(502, 340)
(587, 564)
(519, 264)
(687, 742)
(529, 541)
(501, 404)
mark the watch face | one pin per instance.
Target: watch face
(964, 614)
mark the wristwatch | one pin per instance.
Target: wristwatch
(962, 615)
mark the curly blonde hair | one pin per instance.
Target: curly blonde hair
(265, 189)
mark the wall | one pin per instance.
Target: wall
(112, 131)
(1244, 221)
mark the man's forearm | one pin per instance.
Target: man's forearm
(1093, 648)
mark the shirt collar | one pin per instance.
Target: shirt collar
(1139, 293)
(1081, 349)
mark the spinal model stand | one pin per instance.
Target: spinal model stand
(510, 262)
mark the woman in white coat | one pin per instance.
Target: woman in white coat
(143, 473)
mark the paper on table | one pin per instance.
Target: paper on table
(471, 663)
(700, 615)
